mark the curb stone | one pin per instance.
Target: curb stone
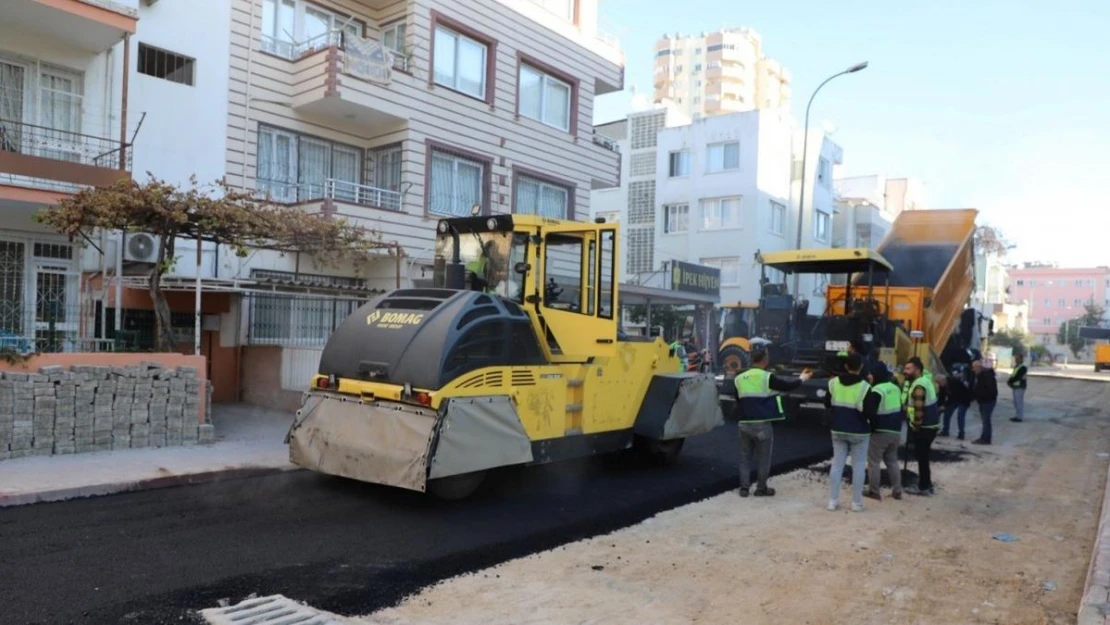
(1094, 606)
(112, 488)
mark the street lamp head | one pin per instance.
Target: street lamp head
(857, 67)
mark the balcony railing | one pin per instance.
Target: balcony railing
(606, 142)
(293, 51)
(330, 189)
(17, 137)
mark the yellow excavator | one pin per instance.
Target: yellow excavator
(428, 389)
(735, 346)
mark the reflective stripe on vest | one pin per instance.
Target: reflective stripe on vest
(755, 399)
(889, 416)
(931, 418)
(847, 407)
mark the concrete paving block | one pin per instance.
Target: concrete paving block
(140, 442)
(206, 433)
(16, 376)
(140, 429)
(189, 373)
(36, 377)
(157, 440)
(22, 453)
(121, 442)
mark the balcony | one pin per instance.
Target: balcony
(93, 25)
(329, 190)
(337, 76)
(50, 159)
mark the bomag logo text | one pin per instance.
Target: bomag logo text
(393, 320)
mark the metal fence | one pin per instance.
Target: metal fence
(296, 320)
(62, 145)
(330, 188)
(50, 325)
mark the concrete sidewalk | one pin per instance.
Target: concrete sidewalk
(249, 441)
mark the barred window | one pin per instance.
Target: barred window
(166, 65)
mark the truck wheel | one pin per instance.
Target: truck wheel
(456, 487)
(659, 453)
(734, 359)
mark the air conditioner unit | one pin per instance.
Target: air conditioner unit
(140, 247)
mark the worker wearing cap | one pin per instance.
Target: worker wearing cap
(758, 406)
(883, 407)
(924, 420)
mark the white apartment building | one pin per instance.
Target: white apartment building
(862, 218)
(822, 162)
(724, 193)
(633, 202)
(391, 113)
(719, 73)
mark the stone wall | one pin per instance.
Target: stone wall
(100, 408)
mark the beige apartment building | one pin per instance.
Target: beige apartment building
(718, 73)
(394, 113)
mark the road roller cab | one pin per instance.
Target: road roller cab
(513, 359)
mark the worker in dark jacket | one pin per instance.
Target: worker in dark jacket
(957, 392)
(851, 431)
(883, 408)
(1017, 383)
(758, 406)
(924, 421)
(985, 392)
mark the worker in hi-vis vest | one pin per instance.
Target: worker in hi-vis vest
(478, 269)
(883, 406)
(924, 420)
(680, 350)
(758, 406)
(851, 431)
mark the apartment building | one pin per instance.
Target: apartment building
(391, 113)
(633, 202)
(63, 127)
(1057, 294)
(719, 73)
(823, 160)
(724, 194)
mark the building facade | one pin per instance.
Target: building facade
(1056, 295)
(719, 73)
(724, 194)
(390, 113)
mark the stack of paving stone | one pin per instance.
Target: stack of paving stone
(91, 408)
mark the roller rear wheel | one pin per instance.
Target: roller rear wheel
(659, 453)
(456, 487)
(734, 359)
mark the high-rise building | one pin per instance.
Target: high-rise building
(718, 73)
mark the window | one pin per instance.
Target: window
(720, 213)
(562, 8)
(714, 48)
(545, 98)
(460, 63)
(697, 68)
(729, 267)
(1078, 283)
(563, 258)
(697, 99)
(291, 28)
(166, 65)
(824, 176)
(1021, 282)
(607, 273)
(456, 184)
(1078, 302)
(778, 218)
(1048, 321)
(393, 38)
(821, 223)
(679, 164)
(1032, 283)
(714, 65)
(676, 218)
(295, 168)
(537, 197)
(1062, 303)
(1047, 303)
(724, 156)
(387, 167)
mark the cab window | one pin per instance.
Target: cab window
(564, 256)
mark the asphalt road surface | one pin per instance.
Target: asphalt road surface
(151, 557)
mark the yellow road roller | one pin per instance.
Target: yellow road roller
(513, 358)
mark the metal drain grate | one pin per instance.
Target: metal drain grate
(272, 610)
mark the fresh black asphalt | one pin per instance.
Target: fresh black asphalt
(152, 557)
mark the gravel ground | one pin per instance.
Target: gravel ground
(932, 560)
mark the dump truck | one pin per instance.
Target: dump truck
(905, 299)
(1102, 348)
(514, 358)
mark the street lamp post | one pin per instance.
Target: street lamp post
(805, 153)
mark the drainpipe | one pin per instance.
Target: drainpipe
(123, 103)
(247, 96)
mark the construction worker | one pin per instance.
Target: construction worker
(679, 349)
(758, 406)
(883, 406)
(478, 268)
(1017, 384)
(924, 421)
(851, 432)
